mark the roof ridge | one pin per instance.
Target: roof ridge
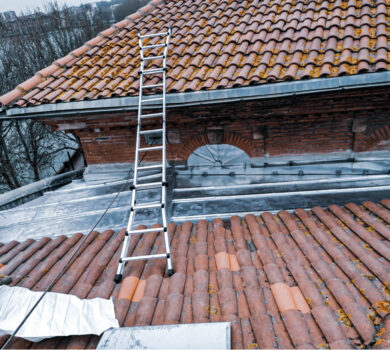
(45, 73)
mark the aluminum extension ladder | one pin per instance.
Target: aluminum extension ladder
(160, 115)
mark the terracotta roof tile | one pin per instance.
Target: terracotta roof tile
(305, 279)
(267, 42)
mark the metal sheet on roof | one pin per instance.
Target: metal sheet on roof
(180, 336)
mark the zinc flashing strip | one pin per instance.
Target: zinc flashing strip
(265, 91)
(273, 184)
(196, 218)
(281, 194)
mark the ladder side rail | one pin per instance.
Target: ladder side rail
(141, 46)
(140, 94)
(166, 241)
(164, 188)
(163, 192)
(164, 156)
(131, 220)
(167, 40)
(136, 160)
(125, 247)
(134, 188)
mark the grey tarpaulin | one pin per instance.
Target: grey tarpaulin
(56, 315)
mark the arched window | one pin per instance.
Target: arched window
(218, 156)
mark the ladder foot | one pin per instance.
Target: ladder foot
(170, 272)
(118, 278)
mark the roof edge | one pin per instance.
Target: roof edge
(32, 190)
(265, 91)
(45, 73)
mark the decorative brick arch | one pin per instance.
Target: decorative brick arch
(377, 136)
(228, 138)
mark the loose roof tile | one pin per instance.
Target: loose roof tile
(221, 44)
(315, 278)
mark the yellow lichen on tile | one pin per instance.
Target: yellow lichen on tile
(357, 32)
(81, 72)
(319, 59)
(383, 305)
(315, 72)
(94, 60)
(104, 49)
(378, 341)
(344, 318)
(83, 61)
(381, 332)
(372, 316)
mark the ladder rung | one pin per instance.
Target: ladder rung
(151, 86)
(145, 257)
(152, 115)
(153, 71)
(149, 167)
(153, 35)
(152, 131)
(152, 148)
(153, 46)
(155, 103)
(147, 230)
(148, 206)
(149, 58)
(147, 186)
(153, 99)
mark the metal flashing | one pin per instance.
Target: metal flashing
(265, 91)
(284, 195)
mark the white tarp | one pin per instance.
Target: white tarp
(56, 315)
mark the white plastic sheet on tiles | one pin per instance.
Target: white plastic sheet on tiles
(56, 315)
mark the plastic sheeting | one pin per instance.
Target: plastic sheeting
(56, 315)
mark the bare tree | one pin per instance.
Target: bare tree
(29, 150)
(8, 175)
(35, 40)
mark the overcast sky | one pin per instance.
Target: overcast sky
(23, 5)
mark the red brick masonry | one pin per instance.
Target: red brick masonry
(309, 279)
(355, 120)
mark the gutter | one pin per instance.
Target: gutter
(175, 100)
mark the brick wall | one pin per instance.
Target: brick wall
(320, 123)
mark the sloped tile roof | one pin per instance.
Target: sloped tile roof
(222, 44)
(306, 279)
